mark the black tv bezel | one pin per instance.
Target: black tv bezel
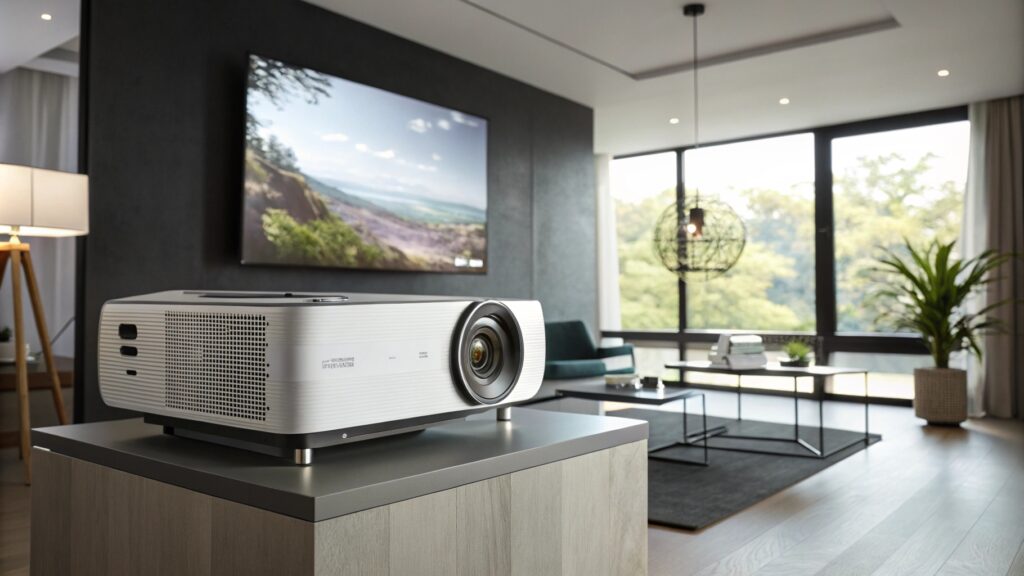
(482, 271)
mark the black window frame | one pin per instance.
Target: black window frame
(826, 319)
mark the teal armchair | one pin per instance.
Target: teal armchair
(572, 353)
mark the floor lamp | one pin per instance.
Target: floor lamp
(35, 202)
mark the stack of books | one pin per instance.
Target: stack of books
(739, 352)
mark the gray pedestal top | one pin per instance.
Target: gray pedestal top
(348, 478)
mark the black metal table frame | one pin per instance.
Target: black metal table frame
(702, 435)
(818, 452)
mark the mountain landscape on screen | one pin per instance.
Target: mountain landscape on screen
(345, 175)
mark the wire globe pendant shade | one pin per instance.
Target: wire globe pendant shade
(699, 239)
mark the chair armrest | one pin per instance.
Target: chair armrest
(615, 351)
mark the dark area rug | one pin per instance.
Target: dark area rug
(693, 497)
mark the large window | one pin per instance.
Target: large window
(818, 207)
(770, 184)
(642, 187)
(888, 186)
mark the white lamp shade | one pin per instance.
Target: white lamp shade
(43, 202)
(15, 194)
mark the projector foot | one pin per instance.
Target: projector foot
(303, 456)
(505, 414)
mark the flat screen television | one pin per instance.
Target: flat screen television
(341, 174)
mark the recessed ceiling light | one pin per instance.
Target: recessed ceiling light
(46, 16)
(783, 101)
(673, 120)
(943, 73)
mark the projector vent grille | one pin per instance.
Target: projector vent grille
(217, 363)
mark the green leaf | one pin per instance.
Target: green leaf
(928, 291)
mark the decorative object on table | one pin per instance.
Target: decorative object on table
(572, 353)
(798, 354)
(630, 381)
(738, 351)
(652, 383)
(7, 350)
(695, 238)
(925, 292)
(36, 202)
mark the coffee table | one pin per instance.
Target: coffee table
(604, 393)
(818, 373)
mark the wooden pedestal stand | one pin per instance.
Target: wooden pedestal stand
(21, 259)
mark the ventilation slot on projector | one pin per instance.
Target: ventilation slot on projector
(217, 363)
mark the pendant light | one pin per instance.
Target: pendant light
(698, 239)
(695, 219)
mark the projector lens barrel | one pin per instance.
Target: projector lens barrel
(480, 349)
(487, 352)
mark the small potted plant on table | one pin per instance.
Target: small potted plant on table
(926, 293)
(799, 354)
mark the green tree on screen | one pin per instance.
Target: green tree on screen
(278, 82)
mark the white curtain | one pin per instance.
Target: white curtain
(1004, 185)
(609, 315)
(39, 127)
(974, 241)
(994, 218)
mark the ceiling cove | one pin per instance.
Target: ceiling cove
(743, 53)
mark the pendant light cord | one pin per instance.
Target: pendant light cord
(696, 121)
(696, 108)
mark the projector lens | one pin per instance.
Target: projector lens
(480, 353)
(485, 352)
(488, 355)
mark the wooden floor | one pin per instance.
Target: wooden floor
(923, 501)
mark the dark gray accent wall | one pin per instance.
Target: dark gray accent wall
(165, 89)
(564, 223)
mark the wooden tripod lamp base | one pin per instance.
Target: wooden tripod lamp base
(21, 261)
(36, 202)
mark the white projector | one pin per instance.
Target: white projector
(285, 373)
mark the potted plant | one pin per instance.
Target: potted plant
(925, 293)
(799, 354)
(6, 346)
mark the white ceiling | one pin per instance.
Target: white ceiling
(25, 36)
(837, 60)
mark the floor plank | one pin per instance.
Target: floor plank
(992, 543)
(1017, 569)
(929, 549)
(872, 549)
(816, 530)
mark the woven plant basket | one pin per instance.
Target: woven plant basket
(940, 395)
